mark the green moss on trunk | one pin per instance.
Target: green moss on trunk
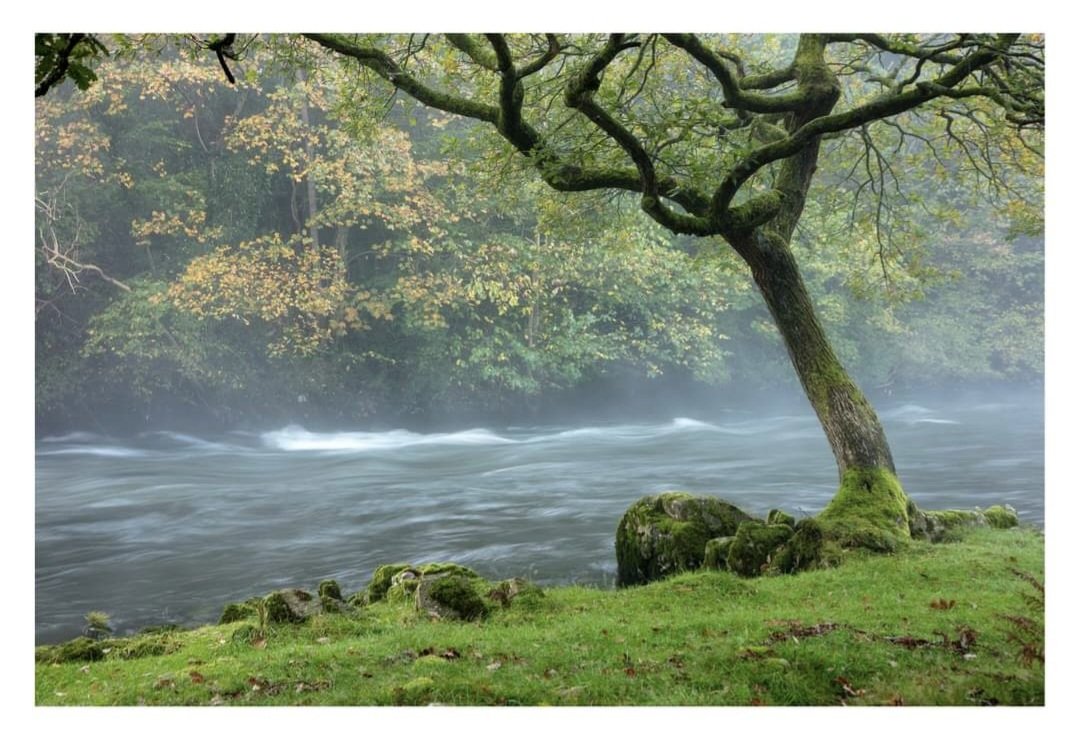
(869, 511)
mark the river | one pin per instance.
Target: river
(168, 527)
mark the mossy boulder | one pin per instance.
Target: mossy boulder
(948, 524)
(659, 536)
(755, 545)
(516, 590)
(870, 511)
(403, 585)
(290, 605)
(450, 596)
(383, 579)
(777, 516)
(1001, 517)
(716, 552)
(802, 551)
(237, 612)
(943, 525)
(330, 598)
(399, 577)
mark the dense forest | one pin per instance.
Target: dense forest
(300, 247)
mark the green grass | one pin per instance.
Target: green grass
(880, 629)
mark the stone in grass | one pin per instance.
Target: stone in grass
(659, 536)
(754, 546)
(290, 605)
(330, 598)
(450, 596)
(948, 524)
(515, 590)
(400, 579)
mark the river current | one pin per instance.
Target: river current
(168, 527)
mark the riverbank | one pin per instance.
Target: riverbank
(960, 623)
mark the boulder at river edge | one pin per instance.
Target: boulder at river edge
(659, 536)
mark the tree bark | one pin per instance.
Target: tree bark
(848, 419)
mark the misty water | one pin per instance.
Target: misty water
(167, 527)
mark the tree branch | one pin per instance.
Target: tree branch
(733, 93)
(883, 107)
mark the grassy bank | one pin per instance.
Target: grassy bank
(949, 624)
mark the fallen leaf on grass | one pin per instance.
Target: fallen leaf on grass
(754, 652)
(847, 687)
(263, 685)
(794, 629)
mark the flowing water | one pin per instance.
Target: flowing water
(167, 527)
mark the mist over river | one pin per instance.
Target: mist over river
(168, 527)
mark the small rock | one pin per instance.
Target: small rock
(290, 605)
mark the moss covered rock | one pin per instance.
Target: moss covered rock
(659, 536)
(716, 552)
(290, 605)
(755, 545)
(948, 524)
(237, 612)
(803, 551)
(1001, 517)
(870, 511)
(383, 579)
(450, 596)
(330, 598)
(777, 516)
(518, 590)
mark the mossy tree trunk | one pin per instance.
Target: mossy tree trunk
(870, 507)
(848, 419)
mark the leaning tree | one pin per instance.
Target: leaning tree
(719, 141)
